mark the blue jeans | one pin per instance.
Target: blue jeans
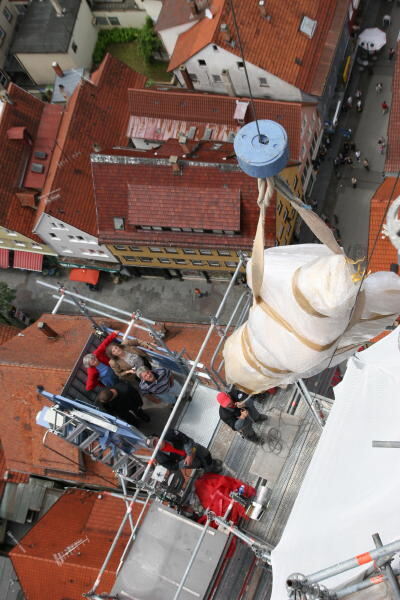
(171, 395)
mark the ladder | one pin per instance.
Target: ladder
(100, 436)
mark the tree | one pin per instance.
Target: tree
(7, 295)
(148, 41)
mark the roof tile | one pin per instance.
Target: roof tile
(381, 251)
(290, 55)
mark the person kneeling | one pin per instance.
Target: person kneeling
(178, 451)
(123, 401)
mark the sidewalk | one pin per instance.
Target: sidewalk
(158, 299)
(335, 194)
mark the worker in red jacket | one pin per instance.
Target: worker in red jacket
(97, 365)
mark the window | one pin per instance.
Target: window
(74, 47)
(154, 228)
(176, 229)
(196, 230)
(180, 261)
(130, 258)
(193, 77)
(67, 251)
(205, 252)
(2, 36)
(214, 264)
(119, 247)
(20, 244)
(189, 251)
(280, 232)
(240, 64)
(119, 223)
(135, 249)
(295, 181)
(198, 263)
(224, 252)
(146, 259)
(263, 82)
(164, 260)
(54, 236)
(8, 14)
(215, 48)
(187, 229)
(217, 230)
(12, 233)
(155, 249)
(36, 247)
(217, 78)
(202, 62)
(227, 232)
(72, 237)
(113, 20)
(101, 21)
(145, 228)
(80, 238)
(171, 250)
(232, 265)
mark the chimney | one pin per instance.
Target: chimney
(183, 144)
(58, 70)
(186, 77)
(57, 7)
(226, 78)
(226, 36)
(48, 331)
(262, 7)
(193, 7)
(175, 165)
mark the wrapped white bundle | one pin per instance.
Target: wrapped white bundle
(303, 308)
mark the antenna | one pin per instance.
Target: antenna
(60, 557)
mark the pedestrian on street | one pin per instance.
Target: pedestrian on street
(349, 102)
(240, 416)
(392, 52)
(349, 160)
(199, 294)
(387, 19)
(379, 87)
(354, 182)
(359, 106)
(358, 94)
(357, 154)
(385, 107)
(366, 164)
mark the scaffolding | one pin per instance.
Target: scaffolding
(139, 475)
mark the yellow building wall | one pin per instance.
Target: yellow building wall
(286, 216)
(11, 240)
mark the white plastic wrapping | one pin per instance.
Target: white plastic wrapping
(306, 301)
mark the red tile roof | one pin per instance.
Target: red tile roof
(166, 114)
(276, 45)
(206, 169)
(25, 362)
(44, 142)
(381, 252)
(25, 112)
(392, 163)
(7, 332)
(96, 113)
(167, 206)
(76, 515)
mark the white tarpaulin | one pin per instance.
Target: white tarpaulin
(351, 490)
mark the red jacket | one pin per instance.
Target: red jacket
(100, 352)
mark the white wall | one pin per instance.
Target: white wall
(84, 36)
(220, 59)
(152, 7)
(169, 36)
(127, 18)
(55, 233)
